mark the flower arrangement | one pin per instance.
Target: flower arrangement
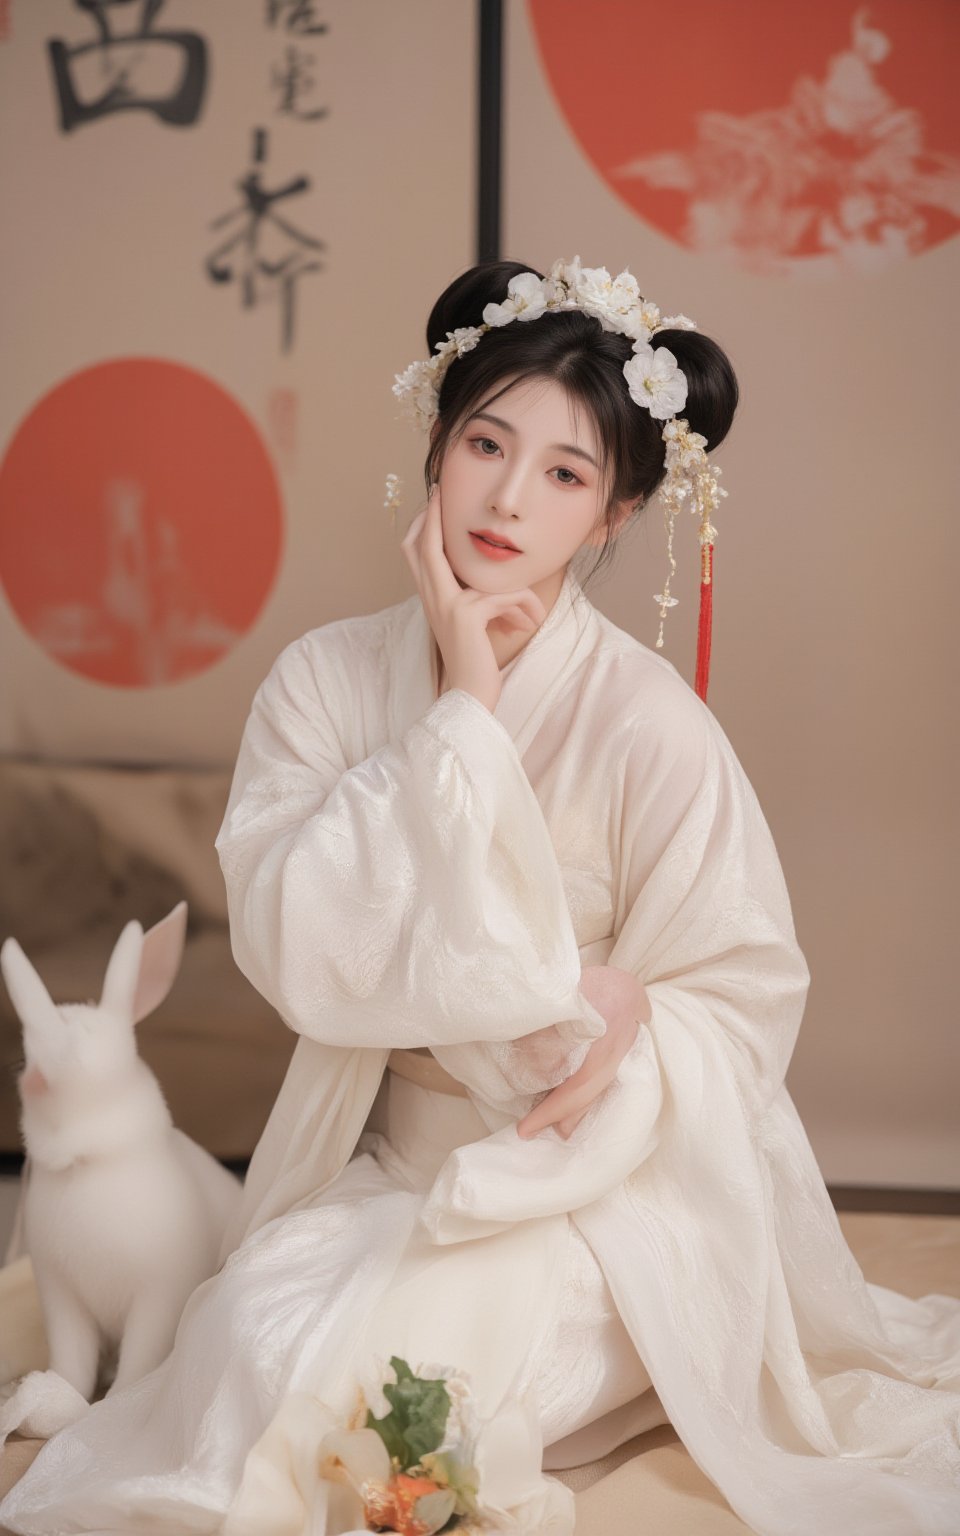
(653, 377)
(411, 1468)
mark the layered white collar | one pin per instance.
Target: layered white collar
(531, 679)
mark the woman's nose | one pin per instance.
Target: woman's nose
(507, 492)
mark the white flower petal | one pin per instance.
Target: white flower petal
(525, 286)
(632, 325)
(626, 291)
(655, 381)
(361, 1452)
(649, 314)
(465, 338)
(499, 314)
(433, 1510)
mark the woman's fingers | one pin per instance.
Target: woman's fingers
(513, 618)
(566, 1128)
(410, 543)
(458, 614)
(566, 1104)
(423, 546)
(423, 543)
(492, 604)
(560, 1103)
(571, 1098)
(435, 566)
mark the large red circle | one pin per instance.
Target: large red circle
(140, 522)
(787, 136)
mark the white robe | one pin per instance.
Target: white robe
(404, 870)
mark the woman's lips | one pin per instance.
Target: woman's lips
(491, 551)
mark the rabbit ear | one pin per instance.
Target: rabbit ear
(160, 961)
(34, 1005)
(123, 968)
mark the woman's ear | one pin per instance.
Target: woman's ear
(622, 514)
(613, 522)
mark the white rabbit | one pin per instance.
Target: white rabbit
(123, 1214)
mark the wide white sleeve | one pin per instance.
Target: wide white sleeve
(707, 927)
(407, 899)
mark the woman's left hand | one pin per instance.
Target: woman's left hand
(622, 1000)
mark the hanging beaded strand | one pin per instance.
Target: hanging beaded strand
(691, 476)
(392, 497)
(664, 598)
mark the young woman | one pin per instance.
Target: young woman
(499, 867)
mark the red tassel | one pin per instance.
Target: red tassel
(705, 626)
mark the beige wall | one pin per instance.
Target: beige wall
(834, 669)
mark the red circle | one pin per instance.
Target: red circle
(141, 522)
(785, 135)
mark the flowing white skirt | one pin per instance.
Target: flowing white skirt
(315, 1303)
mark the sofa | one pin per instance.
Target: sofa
(84, 849)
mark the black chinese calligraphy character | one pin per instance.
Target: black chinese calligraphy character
(124, 60)
(297, 16)
(248, 260)
(294, 80)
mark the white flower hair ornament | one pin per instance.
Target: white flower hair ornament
(654, 380)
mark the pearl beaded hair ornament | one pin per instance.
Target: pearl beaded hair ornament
(654, 380)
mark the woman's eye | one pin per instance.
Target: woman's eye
(483, 443)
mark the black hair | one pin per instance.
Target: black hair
(578, 353)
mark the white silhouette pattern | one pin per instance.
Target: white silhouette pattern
(146, 601)
(841, 163)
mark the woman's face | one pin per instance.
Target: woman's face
(525, 471)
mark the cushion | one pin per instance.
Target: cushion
(89, 848)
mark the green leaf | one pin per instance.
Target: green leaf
(417, 1421)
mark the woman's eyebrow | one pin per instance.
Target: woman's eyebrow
(554, 447)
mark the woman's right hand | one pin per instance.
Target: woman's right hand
(459, 616)
(621, 999)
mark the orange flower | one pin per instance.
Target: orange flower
(393, 1506)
